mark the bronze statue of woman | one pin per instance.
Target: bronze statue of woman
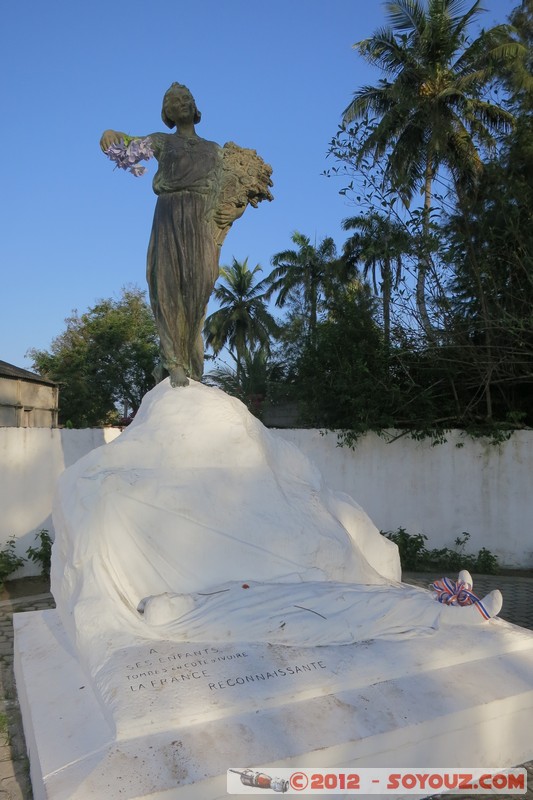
(202, 189)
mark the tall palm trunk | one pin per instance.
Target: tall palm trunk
(313, 302)
(240, 347)
(424, 263)
(484, 308)
(386, 292)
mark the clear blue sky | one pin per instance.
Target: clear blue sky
(274, 76)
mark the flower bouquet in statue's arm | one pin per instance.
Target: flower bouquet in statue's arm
(127, 151)
(245, 180)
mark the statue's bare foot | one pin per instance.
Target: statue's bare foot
(466, 578)
(488, 607)
(178, 377)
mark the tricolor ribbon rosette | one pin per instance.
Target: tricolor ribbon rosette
(457, 593)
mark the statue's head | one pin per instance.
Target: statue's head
(176, 91)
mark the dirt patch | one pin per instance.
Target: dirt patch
(24, 587)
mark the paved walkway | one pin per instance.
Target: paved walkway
(14, 768)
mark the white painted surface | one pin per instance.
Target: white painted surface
(200, 525)
(31, 460)
(459, 698)
(441, 491)
(197, 494)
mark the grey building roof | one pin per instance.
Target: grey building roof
(10, 371)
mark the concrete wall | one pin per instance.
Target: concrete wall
(440, 491)
(463, 485)
(31, 459)
(27, 404)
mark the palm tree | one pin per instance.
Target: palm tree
(309, 268)
(519, 78)
(257, 372)
(242, 321)
(379, 244)
(429, 111)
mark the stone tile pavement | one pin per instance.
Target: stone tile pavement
(14, 767)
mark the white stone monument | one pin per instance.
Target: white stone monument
(218, 606)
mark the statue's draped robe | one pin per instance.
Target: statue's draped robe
(202, 189)
(182, 263)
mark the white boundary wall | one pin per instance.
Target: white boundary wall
(440, 491)
(31, 460)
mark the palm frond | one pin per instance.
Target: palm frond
(406, 15)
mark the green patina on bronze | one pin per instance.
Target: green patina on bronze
(202, 189)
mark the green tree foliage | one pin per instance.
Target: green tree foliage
(491, 255)
(433, 117)
(258, 373)
(378, 244)
(306, 275)
(430, 110)
(518, 75)
(350, 380)
(340, 379)
(242, 322)
(105, 358)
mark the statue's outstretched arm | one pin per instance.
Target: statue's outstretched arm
(110, 137)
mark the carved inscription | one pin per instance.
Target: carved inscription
(162, 670)
(258, 677)
(158, 671)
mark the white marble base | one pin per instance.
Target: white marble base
(460, 697)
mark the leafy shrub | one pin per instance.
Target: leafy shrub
(43, 553)
(416, 557)
(411, 546)
(9, 560)
(487, 562)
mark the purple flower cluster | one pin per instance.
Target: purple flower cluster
(128, 152)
